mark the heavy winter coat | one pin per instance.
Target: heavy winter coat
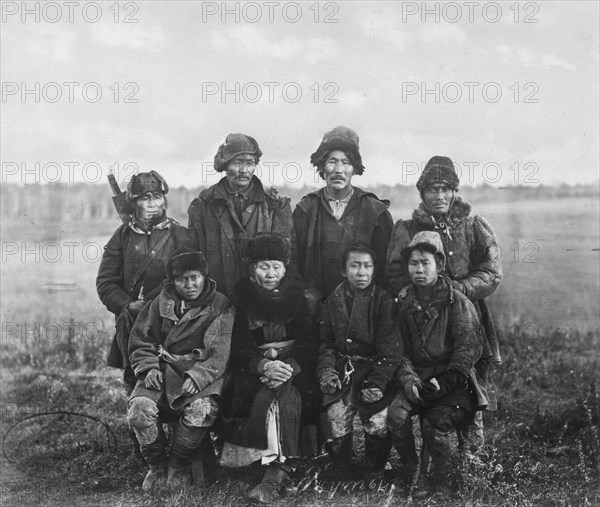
(222, 237)
(203, 332)
(472, 258)
(363, 329)
(445, 335)
(256, 309)
(120, 279)
(321, 239)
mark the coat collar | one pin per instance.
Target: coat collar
(220, 193)
(319, 194)
(442, 296)
(459, 211)
(138, 227)
(169, 299)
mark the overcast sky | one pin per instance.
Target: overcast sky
(510, 94)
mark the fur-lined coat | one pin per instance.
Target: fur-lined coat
(472, 259)
(257, 310)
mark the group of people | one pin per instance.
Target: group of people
(274, 329)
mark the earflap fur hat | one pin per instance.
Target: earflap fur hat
(438, 170)
(340, 138)
(146, 182)
(186, 259)
(234, 145)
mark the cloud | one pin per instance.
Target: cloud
(131, 35)
(49, 43)
(530, 59)
(442, 34)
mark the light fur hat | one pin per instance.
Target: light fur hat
(427, 238)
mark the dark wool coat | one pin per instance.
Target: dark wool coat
(222, 237)
(321, 239)
(119, 280)
(243, 424)
(444, 336)
(366, 327)
(472, 258)
(204, 330)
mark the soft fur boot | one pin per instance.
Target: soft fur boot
(377, 451)
(185, 444)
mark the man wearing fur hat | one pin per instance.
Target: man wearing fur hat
(235, 209)
(179, 349)
(132, 268)
(330, 219)
(472, 252)
(442, 342)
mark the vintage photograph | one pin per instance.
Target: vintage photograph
(320, 253)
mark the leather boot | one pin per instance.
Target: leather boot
(185, 443)
(268, 489)
(155, 455)
(377, 451)
(408, 453)
(340, 450)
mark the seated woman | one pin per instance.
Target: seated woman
(272, 412)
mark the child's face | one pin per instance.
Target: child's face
(422, 268)
(359, 270)
(189, 285)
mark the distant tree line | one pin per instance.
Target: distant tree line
(86, 202)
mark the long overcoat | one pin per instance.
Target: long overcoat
(243, 424)
(223, 237)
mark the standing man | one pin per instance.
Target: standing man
(470, 247)
(338, 215)
(234, 210)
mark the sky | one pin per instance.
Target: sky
(508, 90)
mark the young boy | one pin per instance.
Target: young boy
(179, 349)
(442, 341)
(359, 352)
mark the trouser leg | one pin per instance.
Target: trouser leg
(400, 415)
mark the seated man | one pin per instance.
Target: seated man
(179, 348)
(442, 341)
(359, 353)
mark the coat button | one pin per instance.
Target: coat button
(348, 340)
(450, 254)
(153, 252)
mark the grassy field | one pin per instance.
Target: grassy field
(543, 443)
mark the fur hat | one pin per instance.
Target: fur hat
(429, 241)
(438, 170)
(269, 246)
(185, 259)
(146, 182)
(234, 145)
(340, 138)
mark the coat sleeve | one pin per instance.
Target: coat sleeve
(380, 242)
(396, 275)
(466, 334)
(326, 358)
(196, 230)
(110, 279)
(145, 338)
(307, 342)
(217, 344)
(486, 271)
(245, 356)
(387, 345)
(301, 240)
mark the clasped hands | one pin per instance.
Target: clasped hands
(275, 373)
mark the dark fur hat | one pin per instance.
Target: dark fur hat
(438, 170)
(269, 246)
(340, 138)
(234, 145)
(185, 259)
